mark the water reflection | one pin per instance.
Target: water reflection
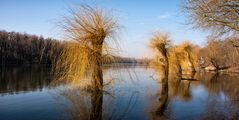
(221, 100)
(80, 104)
(180, 86)
(23, 79)
(94, 105)
(194, 96)
(162, 101)
(109, 104)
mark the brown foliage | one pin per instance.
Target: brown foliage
(91, 31)
(173, 59)
(220, 53)
(160, 44)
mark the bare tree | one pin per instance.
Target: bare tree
(19, 48)
(186, 55)
(160, 43)
(89, 29)
(217, 51)
(220, 16)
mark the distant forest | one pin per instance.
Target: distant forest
(17, 48)
(22, 48)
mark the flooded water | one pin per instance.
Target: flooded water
(131, 93)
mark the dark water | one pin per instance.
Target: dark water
(134, 93)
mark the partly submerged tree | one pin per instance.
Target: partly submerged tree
(160, 43)
(185, 56)
(221, 16)
(173, 59)
(91, 31)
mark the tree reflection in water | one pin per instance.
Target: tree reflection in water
(163, 98)
(85, 104)
(96, 102)
(172, 86)
(205, 95)
(16, 80)
(82, 105)
(94, 105)
(159, 111)
(221, 98)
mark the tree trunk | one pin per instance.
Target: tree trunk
(191, 62)
(97, 82)
(97, 75)
(97, 72)
(96, 104)
(164, 88)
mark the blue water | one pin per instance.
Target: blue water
(28, 93)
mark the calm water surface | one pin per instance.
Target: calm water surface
(131, 93)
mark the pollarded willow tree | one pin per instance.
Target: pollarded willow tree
(221, 16)
(173, 59)
(160, 43)
(91, 32)
(186, 55)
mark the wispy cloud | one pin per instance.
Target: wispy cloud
(164, 16)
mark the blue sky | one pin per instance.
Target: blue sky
(138, 18)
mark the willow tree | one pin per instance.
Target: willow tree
(185, 54)
(220, 16)
(160, 43)
(91, 32)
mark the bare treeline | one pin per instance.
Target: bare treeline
(220, 16)
(220, 53)
(17, 48)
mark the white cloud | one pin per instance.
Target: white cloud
(164, 16)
